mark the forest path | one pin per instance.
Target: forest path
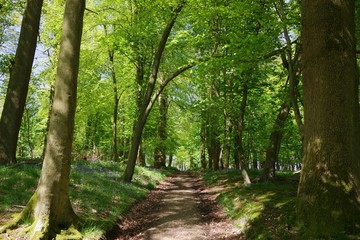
(180, 208)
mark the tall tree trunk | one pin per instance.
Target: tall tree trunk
(213, 144)
(171, 158)
(28, 133)
(239, 135)
(146, 104)
(140, 62)
(202, 145)
(115, 154)
(329, 189)
(140, 159)
(19, 82)
(51, 204)
(272, 151)
(51, 100)
(160, 150)
(225, 158)
(294, 67)
(230, 125)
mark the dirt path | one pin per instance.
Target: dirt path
(181, 208)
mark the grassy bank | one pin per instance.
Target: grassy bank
(261, 210)
(97, 193)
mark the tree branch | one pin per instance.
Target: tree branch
(165, 83)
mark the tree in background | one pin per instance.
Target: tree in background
(19, 82)
(329, 190)
(148, 101)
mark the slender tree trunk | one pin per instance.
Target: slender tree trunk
(213, 147)
(239, 135)
(115, 154)
(329, 189)
(171, 158)
(226, 145)
(19, 82)
(28, 133)
(147, 103)
(160, 150)
(255, 161)
(51, 100)
(134, 149)
(202, 145)
(272, 151)
(140, 62)
(230, 125)
(140, 159)
(293, 67)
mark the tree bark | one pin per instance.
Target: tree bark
(294, 67)
(52, 207)
(202, 145)
(51, 100)
(115, 154)
(329, 189)
(239, 135)
(160, 150)
(171, 158)
(272, 151)
(19, 82)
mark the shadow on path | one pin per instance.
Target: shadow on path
(179, 208)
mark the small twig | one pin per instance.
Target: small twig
(87, 9)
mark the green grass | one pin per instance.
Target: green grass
(97, 191)
(261, 210)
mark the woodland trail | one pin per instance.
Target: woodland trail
(180, 208)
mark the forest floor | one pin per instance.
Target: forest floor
(182, 207)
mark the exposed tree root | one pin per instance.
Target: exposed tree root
(40, 227)
(24, 215)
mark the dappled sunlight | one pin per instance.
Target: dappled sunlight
(262, 210)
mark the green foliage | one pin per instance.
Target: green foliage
(231, 38)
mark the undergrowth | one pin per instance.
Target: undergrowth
(97, 192)
(261, 210)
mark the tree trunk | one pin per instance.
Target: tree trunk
(147, 103)
(213, 146)
(140, 159)
(202, 145)
(329, 189)
(171, 158)
(160, 150)
(230, 126)
(115, 154)
(134, 149)
(28, 133)
(239, 135)
(272, 151)
(19, 82)
(52, 207)
(139, 100)
(293, 66)
(51, 100)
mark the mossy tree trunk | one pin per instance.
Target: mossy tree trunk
(329, 190)
(52, 208)
(19, 82)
